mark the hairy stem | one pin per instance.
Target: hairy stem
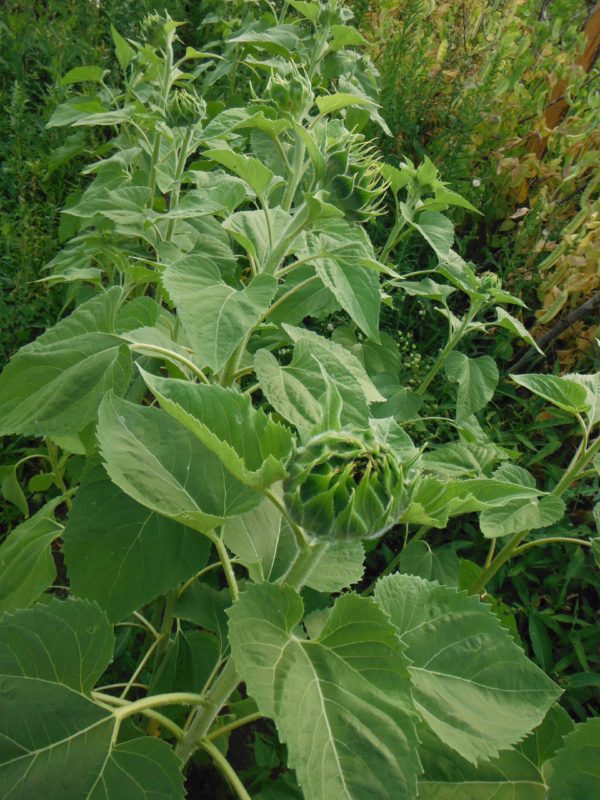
(203, 718)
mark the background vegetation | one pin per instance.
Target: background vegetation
(474, 86)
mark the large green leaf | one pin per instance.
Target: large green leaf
(26, 564)
(509, 776)
(572, 397)
(252, 446)
(296, 390)
(55, 742)
(54, 385)
(473, 686)
(476, 378)
(341, 702)
(163, 466)
(575, 769)
(215, 316)
(121, 554)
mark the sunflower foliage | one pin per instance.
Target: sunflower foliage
(237, 461)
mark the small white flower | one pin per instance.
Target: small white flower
(476, 182)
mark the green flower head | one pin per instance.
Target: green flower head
(344, 485)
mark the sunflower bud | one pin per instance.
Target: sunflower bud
(353, 177)
(184, 109)
(344, 485)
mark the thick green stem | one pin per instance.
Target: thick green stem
(299, 534)
(577, 467)
(503, 556)
(296, 174)
(304, 564)
(203, 718)
(227, 567)
(226, 769)
(174, 199)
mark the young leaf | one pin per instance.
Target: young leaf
(26, 564)
(506, 320)
(335, 102)
(122, 555)
(215, 316)
(575, 769)
(123, 51)
(562, 392)
(473, 686)
(83, 74)
(521, 515)
(36, 388)
(476, 378)
(249, 169)
(249, 444)
(295, 391)
(352, 736)
(161, 465)
(591, 384)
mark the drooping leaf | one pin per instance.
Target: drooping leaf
(575, 769)
(121, 554)
(437, 230)
(335, 102)
(252, 446)
(591, 384)
(83, 351)
(355, 735)
(215, 316)
(473, 686)
(476, 378)
(561, 392)
(26, 564)
(161, 465)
